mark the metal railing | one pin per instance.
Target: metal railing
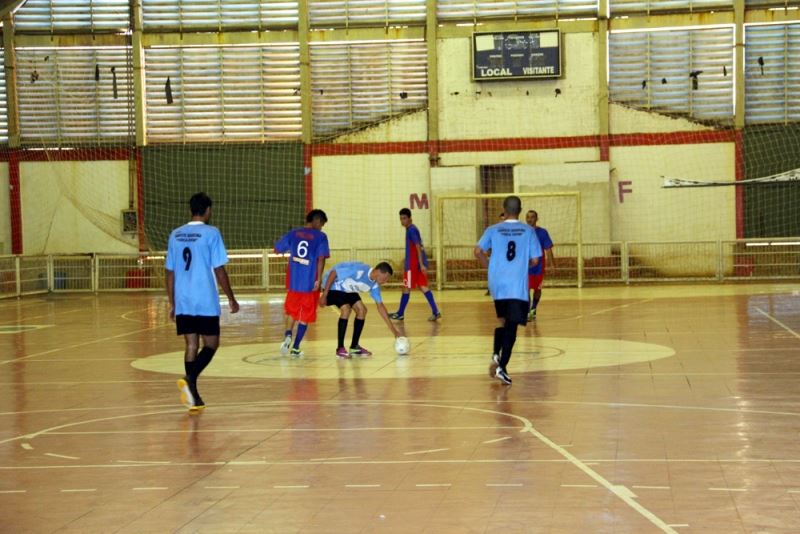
(603, 263)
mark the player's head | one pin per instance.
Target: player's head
(316, 218)
(512, 205)
(405, 217)
(200, 204)
(531, 217)
(383, 271)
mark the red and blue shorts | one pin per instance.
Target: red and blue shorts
(302, 306)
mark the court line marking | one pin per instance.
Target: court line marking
(652, 487)
(83, 490)
(727, 489)
(61, 456)
(75, 346)
(433, 485)
(26, 446)
(290, 487)
(497, 440)
(154, 488)
(503, 485)
(259, 430)
(13, 491)
(221, 487)
(17, 321)
(776, 321)
(334, 459)
(362, 485)
(425, 452)
(579, 485)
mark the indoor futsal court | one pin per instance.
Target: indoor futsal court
(158, 156)
(633, 409)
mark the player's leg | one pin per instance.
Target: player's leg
(399, 315)
(515, 315)
(307, 315)
(435, 313)
(289, 318)
(535, 283)
(344, 315)
(204, 357)
(358, 326)
(498, 341)
(191, 341)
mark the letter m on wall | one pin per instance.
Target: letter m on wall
(417, 202)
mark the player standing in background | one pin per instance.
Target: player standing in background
(196, 259)
(340, 288)
(308, 250)
(415, 272)
(514, 247)
(536, 273)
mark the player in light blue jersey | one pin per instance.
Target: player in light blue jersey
(514, 247)
(196, 259)
(341, 286)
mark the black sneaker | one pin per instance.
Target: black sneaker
(494, 365)
(435, 316)
(198, 402)
(502, 376)
(396, 316)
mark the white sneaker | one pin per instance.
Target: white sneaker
(287, 342)
(494, 365)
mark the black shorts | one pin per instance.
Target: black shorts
(512, 310)
(205, 325)
(341, 298)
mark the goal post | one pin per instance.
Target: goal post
(460, 220)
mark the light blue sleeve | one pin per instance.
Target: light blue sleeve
(219, 256)
(485, 243)
(170, 262)
(375, 293)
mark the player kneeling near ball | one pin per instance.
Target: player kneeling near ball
(341, 287)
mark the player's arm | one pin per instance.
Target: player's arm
(550, 258)
(170, 285)
(482, 256)
(225, 284)
(385, 316)
(320, 270)
(324, 297)
(420, 262)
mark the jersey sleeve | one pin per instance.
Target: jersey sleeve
(414, 236)
(536, 248)
(485, 243)
(170, 261)
(375, 293)
(324, 249)
(219, 256)
(284, 244)
(545, 240)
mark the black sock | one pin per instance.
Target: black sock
(358, 326)
(498, 340)
(188, 367)
(204, 357)
(509, 338)
(341, 332)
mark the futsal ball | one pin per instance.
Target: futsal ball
(401, 345)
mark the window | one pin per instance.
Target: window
(356, 84)
(55, 16)
(685, 72)
(223, 93)
(772, 73)
(176, 15)
(73, 95)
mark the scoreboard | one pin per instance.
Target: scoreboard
(516, 55)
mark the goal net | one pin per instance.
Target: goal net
(461, 219)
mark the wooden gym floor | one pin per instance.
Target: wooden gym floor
(633, 410)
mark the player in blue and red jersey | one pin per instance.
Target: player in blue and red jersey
(308, 249)
(536, 273)
(415, 270)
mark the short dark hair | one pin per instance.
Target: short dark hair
(199, 203)
(406, 212)
(384, 267)
(316, 214)
(512, 205)
(534, 212)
